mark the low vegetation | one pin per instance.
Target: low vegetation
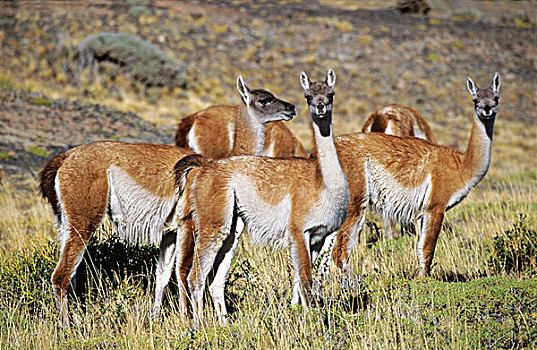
(515, 250)
(145, 62)
(478, 297)
(483, 288)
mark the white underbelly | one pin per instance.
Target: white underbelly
(267, 223)
(394, 201)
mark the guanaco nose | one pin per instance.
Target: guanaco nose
(291, 108)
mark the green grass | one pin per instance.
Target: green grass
(39, 101)
(7, 83)
(38, 151)
(466, 304)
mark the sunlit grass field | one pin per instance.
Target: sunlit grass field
(467, 303)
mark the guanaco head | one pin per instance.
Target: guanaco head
(263, 105)
(485, 100)
(320, 97)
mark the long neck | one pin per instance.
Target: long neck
(249, 134)
(326, 155)
(476, 159)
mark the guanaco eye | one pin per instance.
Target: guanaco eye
(330, 95)
(496, 98)
(475, 100)
(308, 98)
(265, 101)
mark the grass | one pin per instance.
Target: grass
(38, 151)
(466, 304)
(7, 82)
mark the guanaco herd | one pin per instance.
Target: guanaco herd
(235, 167)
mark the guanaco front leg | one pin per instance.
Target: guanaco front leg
(300, 254)
(164, 268)
(429, 226)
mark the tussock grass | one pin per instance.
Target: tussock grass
(466, 303)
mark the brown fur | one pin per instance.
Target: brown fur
(257, 185)
(212, 178)
(213, 138)
(403, 119)
(144, 181)
(408, 161)
(84, 188)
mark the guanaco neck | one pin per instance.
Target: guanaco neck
(476, 159)
(326, 154)
(249, 134)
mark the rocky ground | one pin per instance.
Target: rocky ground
(33, 127)
(380, 56)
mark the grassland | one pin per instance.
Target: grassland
(466, 303)
(475, 298)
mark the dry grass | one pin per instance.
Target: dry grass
(386, 308)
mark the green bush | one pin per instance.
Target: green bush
(35, 150)
(114, 260)
(515, 250)
(40, 101)
(25, 276)
(145, 62)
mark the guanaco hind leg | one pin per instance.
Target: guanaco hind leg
(71, 255)
(221, 269)
(75, 232)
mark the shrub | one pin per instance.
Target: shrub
(115, 260)
(515, 250)
(25, 276)
(413, 6)
(40, 101)
(145, 62)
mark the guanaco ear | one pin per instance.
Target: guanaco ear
(305, 81)
(243, 90)
(331, 78)
(472, 88)
(496, 84)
